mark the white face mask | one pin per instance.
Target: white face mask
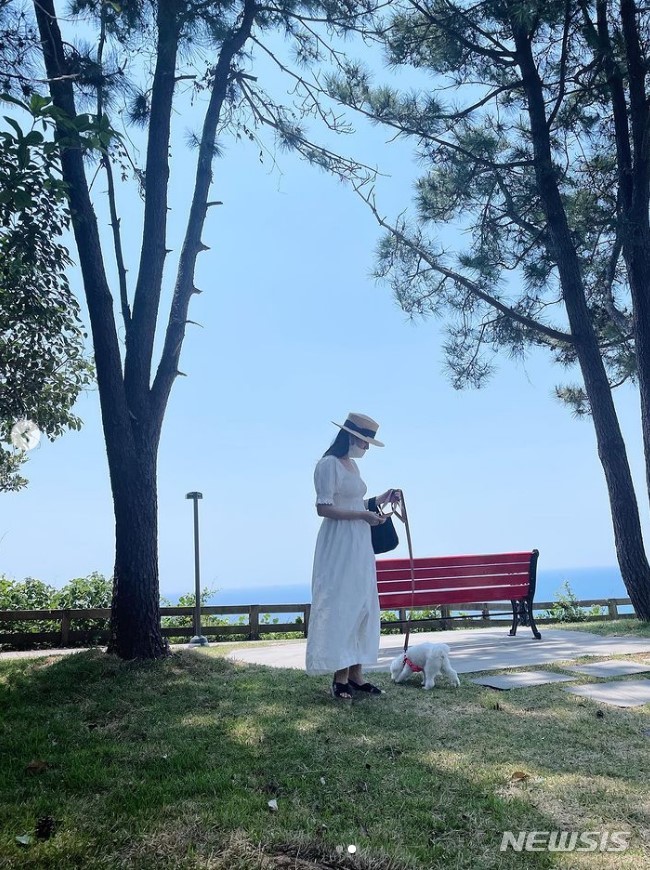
(356, 452)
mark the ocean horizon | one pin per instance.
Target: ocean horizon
(585, 583)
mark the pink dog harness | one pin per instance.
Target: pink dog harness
(415, 668)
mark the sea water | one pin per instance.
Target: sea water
(585, 583)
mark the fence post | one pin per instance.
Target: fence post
(612, 608)
(65, 628)
(307, 615)
(485, 613)
(254, 622)
(445, 615)
(402, 618)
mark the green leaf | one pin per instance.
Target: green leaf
(34, 138)
(22, 199)
(7, 98)
(37, 103)
(15, 125)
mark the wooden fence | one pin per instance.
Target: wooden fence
(67, 635)
(252, 629)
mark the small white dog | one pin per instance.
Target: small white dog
(431, 658)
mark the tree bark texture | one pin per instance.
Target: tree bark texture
(135, 613)
(628, 538)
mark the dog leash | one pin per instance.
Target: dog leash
(404, 517)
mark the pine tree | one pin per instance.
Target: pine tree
(144, 62)
(534, 138)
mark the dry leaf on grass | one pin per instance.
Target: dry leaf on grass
(37, 767)
(273, 806)
(519, 776)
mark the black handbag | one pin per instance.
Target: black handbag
(384, 537)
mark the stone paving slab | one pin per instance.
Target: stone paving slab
(521, 680)
(613, 668)
(472, 650)
(623, 693)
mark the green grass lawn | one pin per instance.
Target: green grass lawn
(172, 764)
(609, 627)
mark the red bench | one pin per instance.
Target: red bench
(443, 580)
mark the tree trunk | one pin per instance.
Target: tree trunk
(634, 177)
(135, 615)
(628, 538)
(636, 252)
(131, 428)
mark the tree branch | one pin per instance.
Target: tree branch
(563, 59)
(115, 415)
(117, 242)
(192, 245)
(501, 56)
(553, 334)
(436, 140)
(637, 68)
(106, 163)
(141, 334)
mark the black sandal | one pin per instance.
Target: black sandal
(366, 687)
(339, 690)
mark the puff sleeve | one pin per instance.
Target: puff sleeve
(325, 480)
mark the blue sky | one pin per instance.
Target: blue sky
(295, 333)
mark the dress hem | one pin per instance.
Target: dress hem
(322, 671)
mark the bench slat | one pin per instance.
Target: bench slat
(479, 583)
(450, 561)
(436, 575)
(432, 598)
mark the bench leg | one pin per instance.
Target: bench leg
(522, 614)
(536, 633)
(515, 618)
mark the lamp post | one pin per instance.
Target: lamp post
(198, 639)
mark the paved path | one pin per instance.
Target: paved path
(472, 650)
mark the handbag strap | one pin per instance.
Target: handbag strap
(404, 517)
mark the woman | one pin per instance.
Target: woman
(343, 631)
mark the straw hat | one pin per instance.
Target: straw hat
(361, 427)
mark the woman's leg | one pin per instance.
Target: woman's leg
(341, 677)
(355, 673)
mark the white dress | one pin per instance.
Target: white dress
(344, 620)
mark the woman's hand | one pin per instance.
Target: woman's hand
(394, 496)
(373, 519)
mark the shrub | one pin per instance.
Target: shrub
(265, 619)
(565, 607)
(92, 592)
(27, 594)
(189, 600)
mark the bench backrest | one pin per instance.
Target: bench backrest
(456, 579)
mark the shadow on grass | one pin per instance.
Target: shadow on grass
(173, 764)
